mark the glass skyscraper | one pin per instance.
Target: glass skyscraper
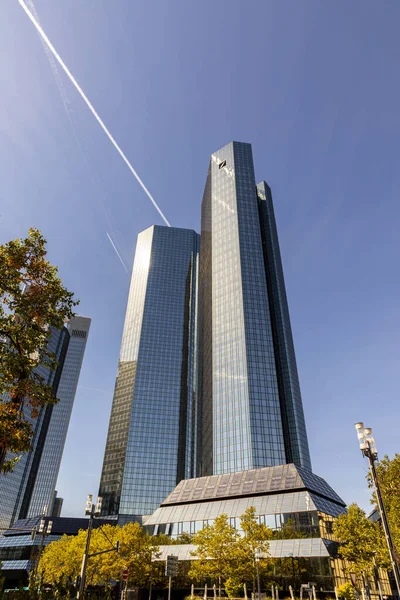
(152, 437)
(31, 486)
(250, 402)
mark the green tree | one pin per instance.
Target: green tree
(253, 547)
(162, 539)
(216, 554)
(388, 471)
(137, 551)
(60, 562)
(360, 540)
(233, 587)
(184, 538)
(32, 299)
(346, 591)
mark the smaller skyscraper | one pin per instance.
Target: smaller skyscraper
(31, 486)
(152, 437)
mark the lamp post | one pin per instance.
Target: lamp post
(93, 510)
(43, 530)
(368, 449)
(377, 578)
(258, 556)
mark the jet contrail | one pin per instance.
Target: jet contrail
(115, 248)
(90, 106)
(66, 102)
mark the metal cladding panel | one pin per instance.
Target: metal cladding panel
(25, 540)
(257, 481)
(61, 525)
(317, 484)
(328, 507)
(17, 565)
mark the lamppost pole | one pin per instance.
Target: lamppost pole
(376, 573)
(368, 449)
(44, 529)
(257, 559)
(93, 511)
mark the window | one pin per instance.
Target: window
(222, 164)
(329, 527)
(78, 333)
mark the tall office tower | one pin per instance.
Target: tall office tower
(30, 487)
(152, 437)
(252, 413)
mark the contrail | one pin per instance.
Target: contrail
(53, 64)
(66, 102)
(90, 106)
(115, 248)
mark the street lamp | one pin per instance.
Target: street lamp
(258, 556)
(92, 510)
(43, 530)
(368, 449)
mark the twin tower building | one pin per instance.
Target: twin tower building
(207, 379)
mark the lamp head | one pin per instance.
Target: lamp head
(97, 510)
(361, 436)
(42, 525)
(371, 441)
(88, 507)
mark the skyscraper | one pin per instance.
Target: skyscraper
(152, 437)
(31, 486)
(252, 413)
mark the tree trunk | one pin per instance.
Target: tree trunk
(3, 454)
(19, 401)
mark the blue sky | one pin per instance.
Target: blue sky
(314, 86)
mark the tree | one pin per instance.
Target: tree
(216, 554)
(254, 545)
(136, 553)
(60, 562)
(346, 591)
(388, 471)
(360, 540)
(32, 301)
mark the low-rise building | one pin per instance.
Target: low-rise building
(19, 548)
(297, 505)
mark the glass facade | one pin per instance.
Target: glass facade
(46, 478)
(295, 434)
(279, 494)
(31, 485)
(251, 408)
(152, 437)
(298, 506)
(290, 525)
